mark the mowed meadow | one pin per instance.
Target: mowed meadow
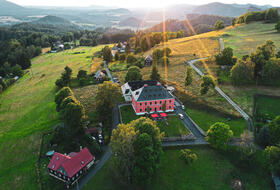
(27, 109)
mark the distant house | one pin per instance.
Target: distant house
(69, 168)
(57, 46)
(115, 49)
(149, 60)
(148, 97)
(100, 75)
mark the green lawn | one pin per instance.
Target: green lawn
(174, 128)
(244, 39)
(267, 107)
(118, 66)
(27, 109)
(212, 171)
(204, 120)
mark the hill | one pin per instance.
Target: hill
(200, 23)
(28, 109)
(232, 10)
(7, 8)
(53, 20)
(133, 22)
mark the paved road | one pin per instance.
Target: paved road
(222, 44)
(230, 101)
(108, 71)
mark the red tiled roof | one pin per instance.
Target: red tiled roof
(72, 165)
(57, 160)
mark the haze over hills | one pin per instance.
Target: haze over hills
(100, 16)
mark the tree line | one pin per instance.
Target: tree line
(271, 15)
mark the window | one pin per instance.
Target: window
(169, 107)
(63, 177)
(140, 110)
(55, 173)
(159, 102)
(73, 178)
(81, 171)
(160, 108)
(155, 102)
(151, 103)
(140, 104)
(169, 101)
(155, 109)
(59, 175)
(145, 103)
(145, 109)
(51, 171)
(77, 175)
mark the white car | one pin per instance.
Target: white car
(181, 116)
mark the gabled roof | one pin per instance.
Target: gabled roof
(70, 165)
(149, 57)
(157, 92)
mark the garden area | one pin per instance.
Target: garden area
(213, 170)
(117, 66)
(205, 119)
(266, 107)
(172, 127)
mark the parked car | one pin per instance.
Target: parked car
(183, 107)
(181, 116)
(116, 80)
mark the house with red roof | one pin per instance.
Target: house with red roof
(148, 97)
(69, 168)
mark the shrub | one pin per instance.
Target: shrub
(218, 135)
(167, 51)
(131, 59)
(264, 137)
(164, 60)
(188, 156)
(1, 89)
(133, 74)
(122, 57)
(274, 129)
(82, 74)
(219, 25)
(242, 72)
(60, 95)
(225, 57)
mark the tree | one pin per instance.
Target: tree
(82, 74)
(1, 89)
(272, 158)
(271, 15)
(274, 130)
(107, 96)
(207, 82)
(271, 70)
(242, 72)
(144, 44)
(278, 54)
(131, 59)
(65, 102)
(225, 57)
(107, 55)
(219, 25)
(117, 56)
(166, 51)
(61, 95)
(155, 75)
(144, 159)
(218, 135)
(137, 150)
(264, 137)
(164, 61)
(122, 144)
(188, 156)
(189, 77)
(133, 74)
(277, 26)
(261, 56)
(122, 57)
(127, 49)
(16, 70)
(157, 54)
(74, 114)
(233, 22)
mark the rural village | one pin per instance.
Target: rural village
(155, 110)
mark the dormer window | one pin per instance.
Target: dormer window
(137, 92)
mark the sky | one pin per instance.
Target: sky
(135, 3)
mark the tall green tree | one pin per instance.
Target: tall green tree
(107, 54)
(233, 21)
(206, 84)
(133, 74)
(271, 15)
(272, 158)
(189, 77)
(225, 57)
(219, 25)
(157, 54)
(155, 75)
(107, 96)
(274, 129)
(242, 72)
(74, 114)
(61, 95)
(218, 135)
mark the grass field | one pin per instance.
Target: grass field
(174, 128)
(204, 120)
(27, 109)
(267, 107)
(244, 39)
(212, 171)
